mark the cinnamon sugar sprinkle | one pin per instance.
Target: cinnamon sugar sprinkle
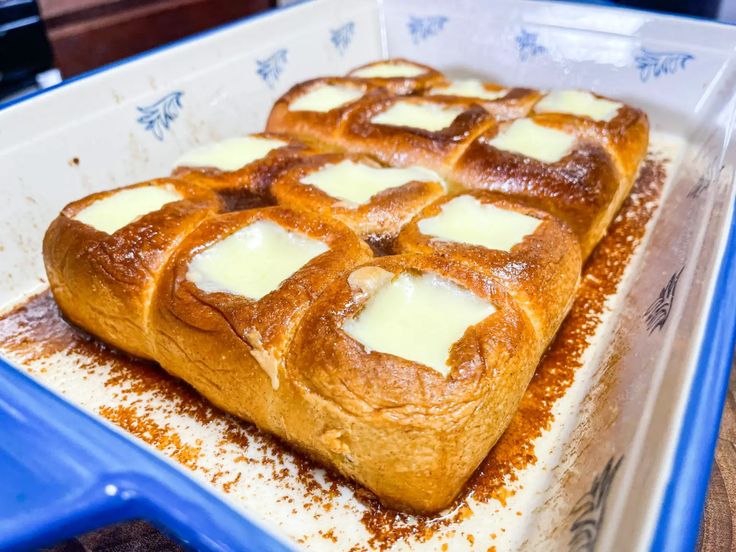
(35, 331)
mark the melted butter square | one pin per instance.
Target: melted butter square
(426, 116)
(418, 318)
(389, 71)
(464, 219)
(325, 97)
(356, 183)
(578, 102)
(469, 88)
(525, 137)
(231, 154)
(253, 261)
(111, 213)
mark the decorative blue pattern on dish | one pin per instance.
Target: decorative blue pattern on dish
(659, 311)
(528, 46)
(342, 37)
(270, 69)
(590, 509)
(158, 116)
(421, 28)
(656, 64)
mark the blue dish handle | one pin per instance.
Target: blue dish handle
(63, 473)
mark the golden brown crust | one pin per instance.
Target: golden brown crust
(319, 129)
(249, 186)
(541, 272)
(579, 189)
(104, 282)
(402, 146)
(403, 85)
(229, 347)
(377, 221)
(517, 102)
(398, 427)
(625, 137)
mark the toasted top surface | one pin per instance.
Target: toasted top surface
(120, 208)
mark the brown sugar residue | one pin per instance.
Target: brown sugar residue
(161, 437)
(329, 535)
(229, 484)
(35, 331)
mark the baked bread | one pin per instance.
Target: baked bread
(232, 296)
(315, 111)
(500, 101)
(404, 131)
(401, 371)
(373, 200)
(549, 167)
(104, 254)
(534, 256)
(413, 412)
(241, 169)
(621, 129)
(398, 75)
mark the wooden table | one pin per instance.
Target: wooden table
(717, 532)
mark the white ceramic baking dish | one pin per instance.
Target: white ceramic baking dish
(632, 437)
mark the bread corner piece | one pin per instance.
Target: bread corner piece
(375, 201)
(552, 167)
(399, 75)
(315, 110)
(241, 169)
(535, 256)
(104, 254)
(404, 373)
(231, 298)
(414, 130)
(623, 130)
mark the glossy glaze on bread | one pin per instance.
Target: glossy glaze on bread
(401, 85)
(249, 185)
(313, 350)
(229, 347)
(541, 271)
(511, 103)
(377, 220)
(105, 282)
(395, 424)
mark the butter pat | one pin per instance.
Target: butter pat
(111, 213)
(427, 116)
(253, 261)
(356, 183)
(325, 98)
(230, 154)
(389, 71)
(464, 219)
(527, 138)
(578, 102)
(469, 88)
(418, 318)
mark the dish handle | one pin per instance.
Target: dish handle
(63, 473)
